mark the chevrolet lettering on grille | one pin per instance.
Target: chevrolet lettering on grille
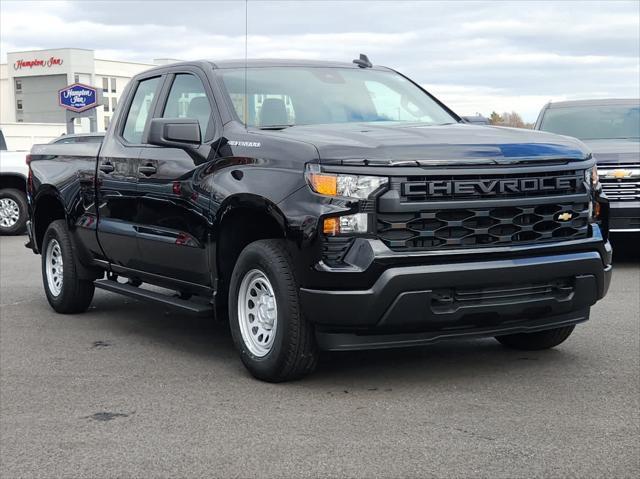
(489, 187)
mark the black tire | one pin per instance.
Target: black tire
(75, 294)
(21, 200)
(535, 341)
(294, 353)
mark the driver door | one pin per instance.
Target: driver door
(174, 223)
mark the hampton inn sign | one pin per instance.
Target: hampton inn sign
(37, 63)
(78, 97)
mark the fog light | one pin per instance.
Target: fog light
(353, 223)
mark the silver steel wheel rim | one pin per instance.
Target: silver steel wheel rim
(54, 267)
(9, 212)
(257, 313)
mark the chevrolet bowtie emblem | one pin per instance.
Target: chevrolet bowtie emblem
(566, 216)
(619, 174)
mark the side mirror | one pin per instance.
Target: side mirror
(181, 133)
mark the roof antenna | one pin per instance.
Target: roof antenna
(245, 109)
(363, 61)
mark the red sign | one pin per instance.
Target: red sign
(37, 63)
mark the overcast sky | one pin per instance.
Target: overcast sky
(475, 56)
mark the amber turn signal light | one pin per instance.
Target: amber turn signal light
(324, 184)
(331, 226)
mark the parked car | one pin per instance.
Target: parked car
(325, 206)
(79, 138)
(13, 199)
(611, 129)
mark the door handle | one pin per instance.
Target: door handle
(106, 167)
(147, 169)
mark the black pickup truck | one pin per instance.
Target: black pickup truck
(321, 206)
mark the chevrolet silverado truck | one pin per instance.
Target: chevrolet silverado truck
(611, 129)
(321, 206)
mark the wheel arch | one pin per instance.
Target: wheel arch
(14, 181)
(241, 220)
(48, 206)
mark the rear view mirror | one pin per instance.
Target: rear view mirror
(175, 132)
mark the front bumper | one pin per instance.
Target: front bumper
(624, 216)
(410, 305)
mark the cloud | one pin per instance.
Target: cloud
(477, 56)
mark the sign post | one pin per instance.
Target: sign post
(80, 101)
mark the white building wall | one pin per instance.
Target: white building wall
(121, 72)
(22, 136)
(6, 108)
(79, 65)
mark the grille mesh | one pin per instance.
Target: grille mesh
(472, 227)
(620, 189)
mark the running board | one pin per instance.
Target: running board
(191, 307)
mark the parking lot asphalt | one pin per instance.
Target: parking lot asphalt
(131, 390)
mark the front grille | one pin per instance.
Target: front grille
(624, 188)
(472, 227)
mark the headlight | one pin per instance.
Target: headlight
(591, 177)
(352, 186)
(339, 225)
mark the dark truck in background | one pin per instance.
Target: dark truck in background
(321, 205)
(611, 129)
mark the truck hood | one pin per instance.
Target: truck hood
(615, 151)
(376, 143)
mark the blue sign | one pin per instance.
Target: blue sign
(78, 97)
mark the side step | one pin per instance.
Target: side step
(191, 307)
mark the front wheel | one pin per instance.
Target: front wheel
(275, 342)
(535, 341)
(65, 291)
(13, 211)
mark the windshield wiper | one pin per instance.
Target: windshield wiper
(275, 127)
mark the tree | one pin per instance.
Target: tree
(495, 119)
(512, 119)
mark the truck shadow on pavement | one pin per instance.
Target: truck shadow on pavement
(211, 340)
(626, 248)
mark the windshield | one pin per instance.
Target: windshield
(594, 122)
(286, 96)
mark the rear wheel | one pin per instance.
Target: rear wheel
(65, 291)
(540, 340)
(13, 211)
(275, 342)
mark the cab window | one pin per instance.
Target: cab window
(188, 99)
(139, 110)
